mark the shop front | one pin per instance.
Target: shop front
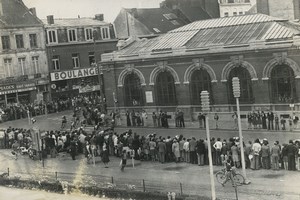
(18, 93)
(67, 84)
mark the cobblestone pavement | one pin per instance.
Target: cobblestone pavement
(266, 184)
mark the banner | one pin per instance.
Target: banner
(78, 73)
(88, 88)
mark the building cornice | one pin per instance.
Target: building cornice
(253, 46)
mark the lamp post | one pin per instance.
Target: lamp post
(205, 110)
(237, 94)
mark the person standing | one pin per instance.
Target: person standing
(218, 146)
(152, 146)
(292, 152)
(200, 149)
(216, 118)
(105, 154)
(264, 120)
(270, 120)
(15, 148)
(63, 122)
(256, 148)
(73, 148)
(275, 154)
(282, 122)
(133, 118)
(175, 150)
(154, 118)
(128, 118)
(265, 155)
(295, 121)
(181, 143)
(159, 115)
(161, 151)
(186, 148)
(181, 119)
(250, 120)
(144, 118)
(200, 120)
(193, 155)
(235, 155)
(124, 160)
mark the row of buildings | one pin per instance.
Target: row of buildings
(152, 59)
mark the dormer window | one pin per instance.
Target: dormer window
(105, 33)
(72, 35)
(88, 34)
(52, 36)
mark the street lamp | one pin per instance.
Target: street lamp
(237, 94)
(205, 110)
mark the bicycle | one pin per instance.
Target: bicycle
(236, 178)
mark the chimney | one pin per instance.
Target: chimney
(99, 17)
(33, 11)
(50, 19)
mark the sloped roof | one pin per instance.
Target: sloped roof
(161, 19)
(74, 22)
(16, 14)
(237, 30)
(194, 13)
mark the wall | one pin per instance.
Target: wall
(26, 52)
(260, 87)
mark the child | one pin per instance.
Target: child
(124, 160)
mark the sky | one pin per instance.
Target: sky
(86, 8)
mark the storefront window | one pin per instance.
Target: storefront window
(283, 84)
(200, 81)
(165, 89)
(245, 85)
(133, 91)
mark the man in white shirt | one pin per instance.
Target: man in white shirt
(218, 147)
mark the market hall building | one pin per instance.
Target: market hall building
(170, 71)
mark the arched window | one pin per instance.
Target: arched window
(165, 89)
(133, 94)
(283, 84)
(245, 85)
(200, 80)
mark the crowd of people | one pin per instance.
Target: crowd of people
(269, 120)
(14, 111)
(259, 154)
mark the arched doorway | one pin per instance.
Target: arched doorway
(165, 89)
(283, 85)
(133, 93)
(245, 85)
(200, 80)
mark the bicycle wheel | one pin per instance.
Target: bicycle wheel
(238, 179)
(221, 177)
